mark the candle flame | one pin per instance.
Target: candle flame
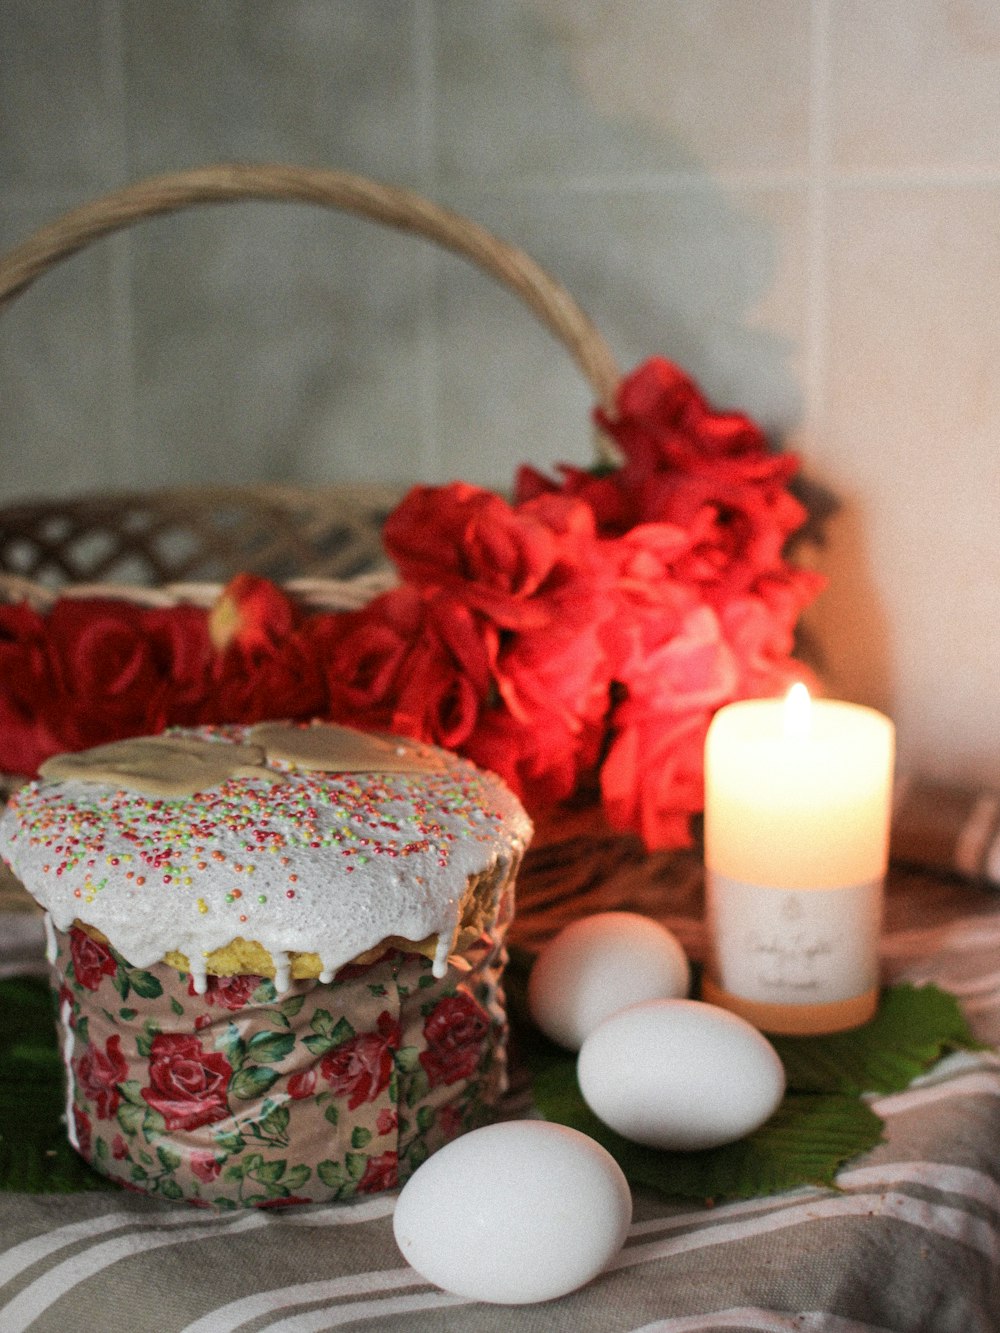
(797, 716)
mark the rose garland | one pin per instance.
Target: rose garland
(585, 632)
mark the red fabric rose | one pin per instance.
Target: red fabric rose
(662, 419)
(119, 1149)
(97, 1073)
(359, 1068)
(454, 1030)
(511, 564)
(652, 779)
(92, 960)
(410, 663)
(27, 737)
(289, 1201)
(381, 1173)
(531, 585)
(121, 670)
(228, 992)
(550, 726)
(187, 1084)
(252, 614)
(284, 681)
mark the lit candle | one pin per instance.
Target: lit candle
(798, 795)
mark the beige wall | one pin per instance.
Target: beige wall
(798, 200)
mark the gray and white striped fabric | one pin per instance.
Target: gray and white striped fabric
(911, 1241)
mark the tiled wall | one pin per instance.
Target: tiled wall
(798, 200)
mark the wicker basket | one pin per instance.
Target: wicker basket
(186, 536)
(176, 546)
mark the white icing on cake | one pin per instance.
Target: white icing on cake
(324, 863)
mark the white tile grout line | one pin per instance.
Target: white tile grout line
(58, 198)
(683, 180)
(818, 217)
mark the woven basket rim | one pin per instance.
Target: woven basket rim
(313, 594)
(277, 493)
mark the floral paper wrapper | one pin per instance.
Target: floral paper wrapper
(244, 1097)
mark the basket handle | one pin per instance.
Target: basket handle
(388, 204)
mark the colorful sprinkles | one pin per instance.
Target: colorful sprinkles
(188, 863)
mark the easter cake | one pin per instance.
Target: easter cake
(279, 953)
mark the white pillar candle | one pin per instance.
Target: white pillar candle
(798, 796)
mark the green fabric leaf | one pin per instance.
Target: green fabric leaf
(270, 1048)
(145, 984)
(297, 1176)
(252, 1081)
(331, 1173)
(130, 1117)
(271, 1172)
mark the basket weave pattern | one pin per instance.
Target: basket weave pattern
(196, 534)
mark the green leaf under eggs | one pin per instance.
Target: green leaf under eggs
(821, 1123)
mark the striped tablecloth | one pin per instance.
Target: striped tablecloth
(910, 1241)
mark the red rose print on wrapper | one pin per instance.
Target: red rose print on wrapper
(381, 1173)
(450, 1119)
(227, 992)
(302, 1085)
(359, 1068)
(91, 959)
(454, 1031)
(187, 1084)
(97, 1073)
(166, 1112)
(205, 1165)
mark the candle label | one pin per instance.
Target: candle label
(794, 946)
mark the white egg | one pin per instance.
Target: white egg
(598, 965)
(680, 1074)
(515, 1212)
